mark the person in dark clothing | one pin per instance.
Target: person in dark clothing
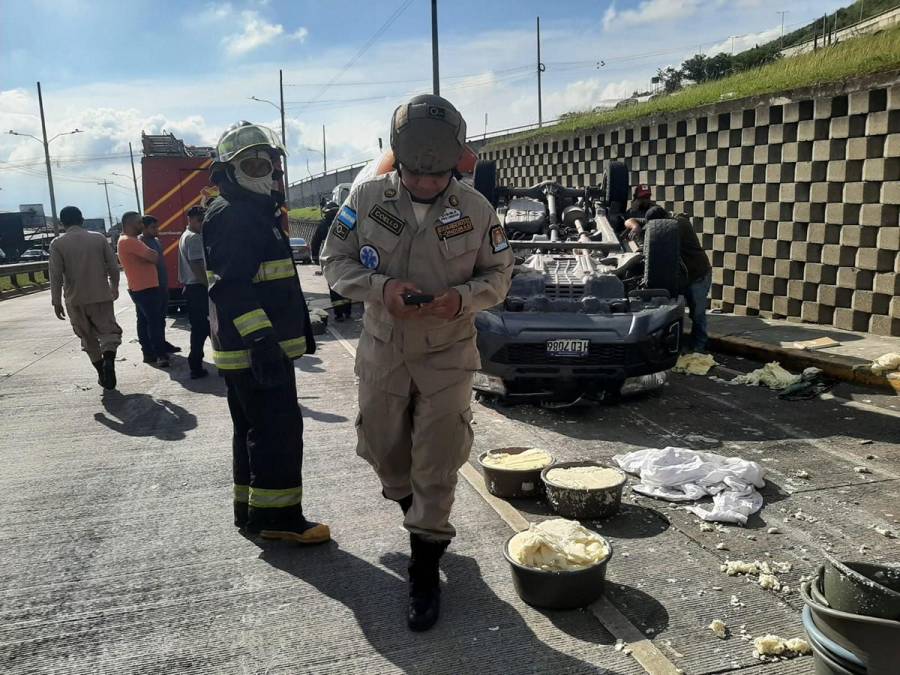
(641, 202)
(259, 325)
(696, 264)
(341, 305)
(192, 274)
(151, 238)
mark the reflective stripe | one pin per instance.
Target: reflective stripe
(272, 270)
(261, 498)
(251, 322)
(232, 360)
(295, 347)
(239, 359)
(241, 493)
(211, 278)
(340, 303)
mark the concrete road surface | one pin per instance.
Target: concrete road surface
(118, 555)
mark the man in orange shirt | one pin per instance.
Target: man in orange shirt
(139, 262)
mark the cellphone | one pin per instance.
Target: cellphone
(417, 298)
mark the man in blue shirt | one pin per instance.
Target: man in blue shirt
(151, 238)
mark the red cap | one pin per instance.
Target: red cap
(641, 191)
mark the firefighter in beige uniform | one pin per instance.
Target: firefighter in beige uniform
(418, 230)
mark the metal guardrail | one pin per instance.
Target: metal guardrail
(21, 277)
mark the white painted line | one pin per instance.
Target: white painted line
(642, 649)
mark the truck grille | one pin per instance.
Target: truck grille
(536, 354)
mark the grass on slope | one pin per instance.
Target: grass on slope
(306, 213)
(854, 58)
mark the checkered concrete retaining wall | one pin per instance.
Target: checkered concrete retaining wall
(796, 198)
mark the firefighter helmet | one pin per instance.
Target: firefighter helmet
(244, 135)
(428, 134)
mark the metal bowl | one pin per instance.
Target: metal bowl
(512, 484)
(862, 588)
(558, 590)
(584, 504)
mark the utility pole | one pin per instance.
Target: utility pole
(287, 193)
(540, 69)
(105, 183)
(47, 160)
(435, 75)
(781, 41)
(137, 199)
(732, 44)
(324, 155)
(485, 126)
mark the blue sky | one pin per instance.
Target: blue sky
(114, 69)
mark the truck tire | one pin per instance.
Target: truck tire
(662, 256)
(615, 180)
(485, 180)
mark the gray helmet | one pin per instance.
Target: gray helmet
(428, 134)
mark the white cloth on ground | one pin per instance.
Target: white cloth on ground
(680, 475)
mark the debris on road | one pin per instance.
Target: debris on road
(884, 532)
(802, 474)
(818, 343)
(769, 582)
(694, 364)
(886, 363)
(773, 530)
(862, 469)
(773, 645)
(812, 383)
(719, 628)
(771, 375)
(680, 474)
(722, 546)
(706, 527)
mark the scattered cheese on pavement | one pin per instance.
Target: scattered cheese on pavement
(769, 582)
(735, 567)
(773, 530)
(558, 544)
(802, 474)
(862, 469)
(706, 527)
(773, 645)
(886, 363)
(771, 375)
(719, 628)
(694, 364)
(722, 546)
(585, 477)
(884, 532)
(527, 460)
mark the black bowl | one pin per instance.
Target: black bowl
(512, 484)
(584, 504)
(558, 590)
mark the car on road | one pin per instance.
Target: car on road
(301, 251)
(589, 313)
(34, 255)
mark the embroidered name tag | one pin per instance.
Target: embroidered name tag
(455, 228)
(449, 215)
(387, 220)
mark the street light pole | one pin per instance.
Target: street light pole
(105, 183)
(435, 74)
(47, 160)
(540, 69)
(781, 41)
(324, 150)
(287, 193)
(137, 199)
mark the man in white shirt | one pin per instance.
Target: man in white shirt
(192, 273)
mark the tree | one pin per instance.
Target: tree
(695, 68)
(671, 78)
(719, 66)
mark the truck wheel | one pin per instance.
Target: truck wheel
(616, 185)
(662, 256)
(485, 180)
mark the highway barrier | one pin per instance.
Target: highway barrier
(23, 277)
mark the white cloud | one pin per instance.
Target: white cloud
(256, 33)
(299, 34)
(744, 42)
(649, 11)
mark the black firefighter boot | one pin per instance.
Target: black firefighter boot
(108, 375)
(424, 582)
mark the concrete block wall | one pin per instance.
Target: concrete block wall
(796, 197)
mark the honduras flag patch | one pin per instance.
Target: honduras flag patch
(347, 217)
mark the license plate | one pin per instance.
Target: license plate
(568, 347)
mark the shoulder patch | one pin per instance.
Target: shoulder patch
(454, 200)
(498, 239)
(368, 256)
(347, 217)
(340, 230)
(454, 229)
(387, 220)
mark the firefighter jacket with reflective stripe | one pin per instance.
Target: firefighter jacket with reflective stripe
(253, 286)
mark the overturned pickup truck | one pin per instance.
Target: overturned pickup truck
(588, 315)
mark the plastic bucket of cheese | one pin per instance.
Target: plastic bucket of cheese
(584, 490)
(563, 576)
(514, 472)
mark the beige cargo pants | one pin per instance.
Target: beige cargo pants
(416, 444)
(96, 325)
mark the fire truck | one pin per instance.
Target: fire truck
(175, 178)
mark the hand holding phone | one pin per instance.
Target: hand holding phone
(417, 298)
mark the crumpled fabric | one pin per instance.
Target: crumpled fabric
(683, 475)
(886, 363)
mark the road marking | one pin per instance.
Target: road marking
(642, 649)
(859, 405)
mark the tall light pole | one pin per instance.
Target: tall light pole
(324, 152)
(137, 199)
(540, 69)
(46, 143)
(435, 74)
(781, 41)
(105, 183)
(280, 109)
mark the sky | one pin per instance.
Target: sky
(114, 69)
